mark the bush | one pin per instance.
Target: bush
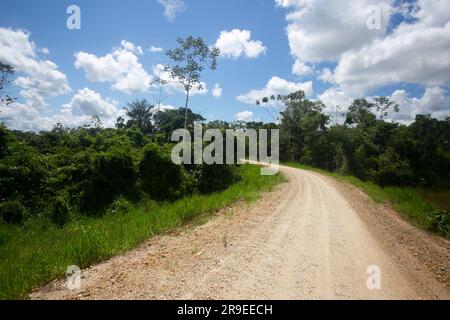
(112, 174)
(61, 211)
(12, 212)
(212, 178)
(119, 206)
(392, 170)
(440, 222)
(23, 174)
(160, 178)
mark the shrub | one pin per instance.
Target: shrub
(440, 222)
(112, 174)
(160, 178)
(212, 178)
(392, 170)
(22, 174)
(12, 212)
(61, 211)
(119, 206)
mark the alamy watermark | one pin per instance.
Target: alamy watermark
(373, 21)
(231, 150)
(374, 279)
(73, 274)
(73, 22)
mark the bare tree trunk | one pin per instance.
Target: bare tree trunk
(186, 109)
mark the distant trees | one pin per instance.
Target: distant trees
(5, 72)
(189, 60)
(168, 121)
(140, 113)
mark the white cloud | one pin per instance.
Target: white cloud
(275, 86)
(172, 8)
(83, 105)
(38, 79)
(244, 116)
(44, 50)
(216, 91)
(326, 75)
(88, 102)
(121, 67)
(131, 47)
(234, 43)
(414, 53)
(174, 85)
(155, 49)
(323, 30)
(163, 107)
(434, 101)
(299, 68)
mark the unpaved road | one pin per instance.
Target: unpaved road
(311, 238)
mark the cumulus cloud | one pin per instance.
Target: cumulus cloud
(413, 51)
(275, 86)
(216, 91)
(234, 43)
(434, 102)
(299, 68)
(172, 8)
(155, 49)
(37, 78)
(83, 105)
(324, 30)
(172, 85)
(244, 116)
(121, 67)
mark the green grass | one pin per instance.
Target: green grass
(34, 254)
(406, 200)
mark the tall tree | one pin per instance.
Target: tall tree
(140, 112)
(5, 72)
(190, 59)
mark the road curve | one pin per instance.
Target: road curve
(305, 240)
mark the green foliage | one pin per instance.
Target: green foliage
(12, 211)
(212, 178)
(112, 174)
(160, 177)
(61, 210)
(39, 252)
(119, 206)
(140, 113)
(168, 121)
(441, 222)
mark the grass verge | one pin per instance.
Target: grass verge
(35, 254)
(406, 200)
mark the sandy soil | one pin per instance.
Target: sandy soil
(312, 238)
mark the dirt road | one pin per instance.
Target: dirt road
(312, 238)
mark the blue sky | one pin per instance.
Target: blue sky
(337, 57)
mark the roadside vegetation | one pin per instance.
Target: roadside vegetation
(38, 251)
